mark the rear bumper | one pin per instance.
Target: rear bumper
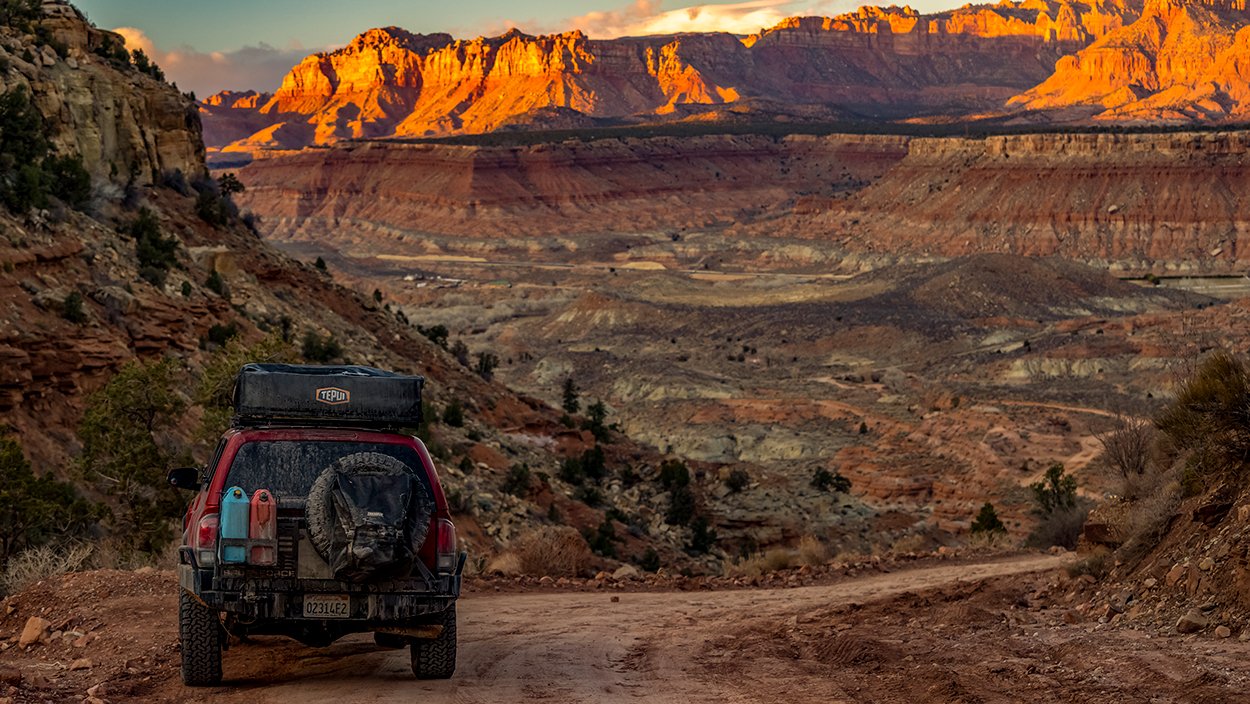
(264, 598)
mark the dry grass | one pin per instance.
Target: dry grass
(916, 542)
(507, 564)
(556, 551)
(1096, 564)
(812, 552)
(36, 564)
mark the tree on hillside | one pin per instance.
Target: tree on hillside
(570, 401)
(125, 452)
(214, 391)
(18, 14)
(36, 510)
(1056, 491)
(229, 184)
(987, 521)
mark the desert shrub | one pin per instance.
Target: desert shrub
(507, 564)
(913, 543)
(649, 561)
(681, 506)
(602, 540)
(221, 334)
(596, 414)
(320, 264)
(1149, 516)
(37, 564)
(146, 65)
(68, 179)
(122, 456)
(71, 308)
(571, 471)
(216, 284)
(36, 510)
(737, 480)
(594, 463)
(589, 494)
(1209, 421)
(1061, 513)
(460, 351)
(518, 480)
(811, 551)
(156, 254)
(453, 415)
(321, 350)
(702, 536)
(987, 521)
(436, 334)
(557, 551)
(1127, 447)
(824, 480)
(674, 474)
(215, 386)
(760, 564)
(212, 208)
(229, 184)
(569, 397)
(486, 364)
(19, 14)
(1097, 563)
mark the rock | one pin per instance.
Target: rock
(1192, 622)
(97, 690)
(1223, 631)
(1150, 582)
(10, 675)
(81, 664)
(1206, 564)
(616, 600)
(546, 579)
(626, 572)
(94, 700)
(1174, 575)
(600, 576)
(36, 630)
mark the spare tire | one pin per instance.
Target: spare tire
(321, 512)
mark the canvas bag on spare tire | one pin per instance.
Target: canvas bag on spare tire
(368, 515)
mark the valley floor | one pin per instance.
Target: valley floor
(995, 631)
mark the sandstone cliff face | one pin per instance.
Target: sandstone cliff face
(1162, 202)
(361, 191)
(1183, 60)
(121, 122)
(892, 62)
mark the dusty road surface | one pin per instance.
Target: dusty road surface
(582, 647)
(1002, 630)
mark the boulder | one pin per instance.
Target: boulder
(1192, 622)
(626, 572)
(36, 630)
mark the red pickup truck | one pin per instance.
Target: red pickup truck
(349, 530)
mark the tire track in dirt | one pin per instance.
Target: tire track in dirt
(579, 647)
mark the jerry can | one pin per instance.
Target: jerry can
(264, 528)
(234, 525)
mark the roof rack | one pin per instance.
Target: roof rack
(301, 395)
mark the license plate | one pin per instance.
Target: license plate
(327, 606)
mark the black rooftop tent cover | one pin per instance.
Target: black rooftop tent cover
(299, 394)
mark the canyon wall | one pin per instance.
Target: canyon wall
(366, 190)
(1165, 202)
(874, 62)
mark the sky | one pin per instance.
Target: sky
(238, 44)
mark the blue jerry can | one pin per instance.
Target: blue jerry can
(234, 524)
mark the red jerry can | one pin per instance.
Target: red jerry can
(264, 527)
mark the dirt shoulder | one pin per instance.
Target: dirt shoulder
(993, 631)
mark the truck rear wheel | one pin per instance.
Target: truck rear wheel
(436, 659)
(199, 630)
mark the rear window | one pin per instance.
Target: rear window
(288, 468)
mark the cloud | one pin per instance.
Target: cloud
(258, 67)
(648, 17)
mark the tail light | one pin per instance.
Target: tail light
(206, 539)
(445, 560)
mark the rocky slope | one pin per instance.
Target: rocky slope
(1181, 61)
(50, 362)
(892, 62)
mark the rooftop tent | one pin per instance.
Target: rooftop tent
(291, 394)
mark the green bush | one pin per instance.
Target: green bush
(122, 456)
(1060, 512)
(212, 208)
(453, 415)
(68, 180)
(596, 414)
(1056, 491)
(987, 521)
(37, 510)
(518, 480)
(214, 389)
(486, 364)
(824, 480)
(216, 284)
(681, 506)
(19, 14)
(156, 254)
(321, 350)
(436, 334)
(702, 537)
(71, 308)
(674, 474)
(569, 394)
(1209, 421)
(221, 334)
(602, 540)
(737, 480)
(650, 560)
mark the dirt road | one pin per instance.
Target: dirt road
(582, 647)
